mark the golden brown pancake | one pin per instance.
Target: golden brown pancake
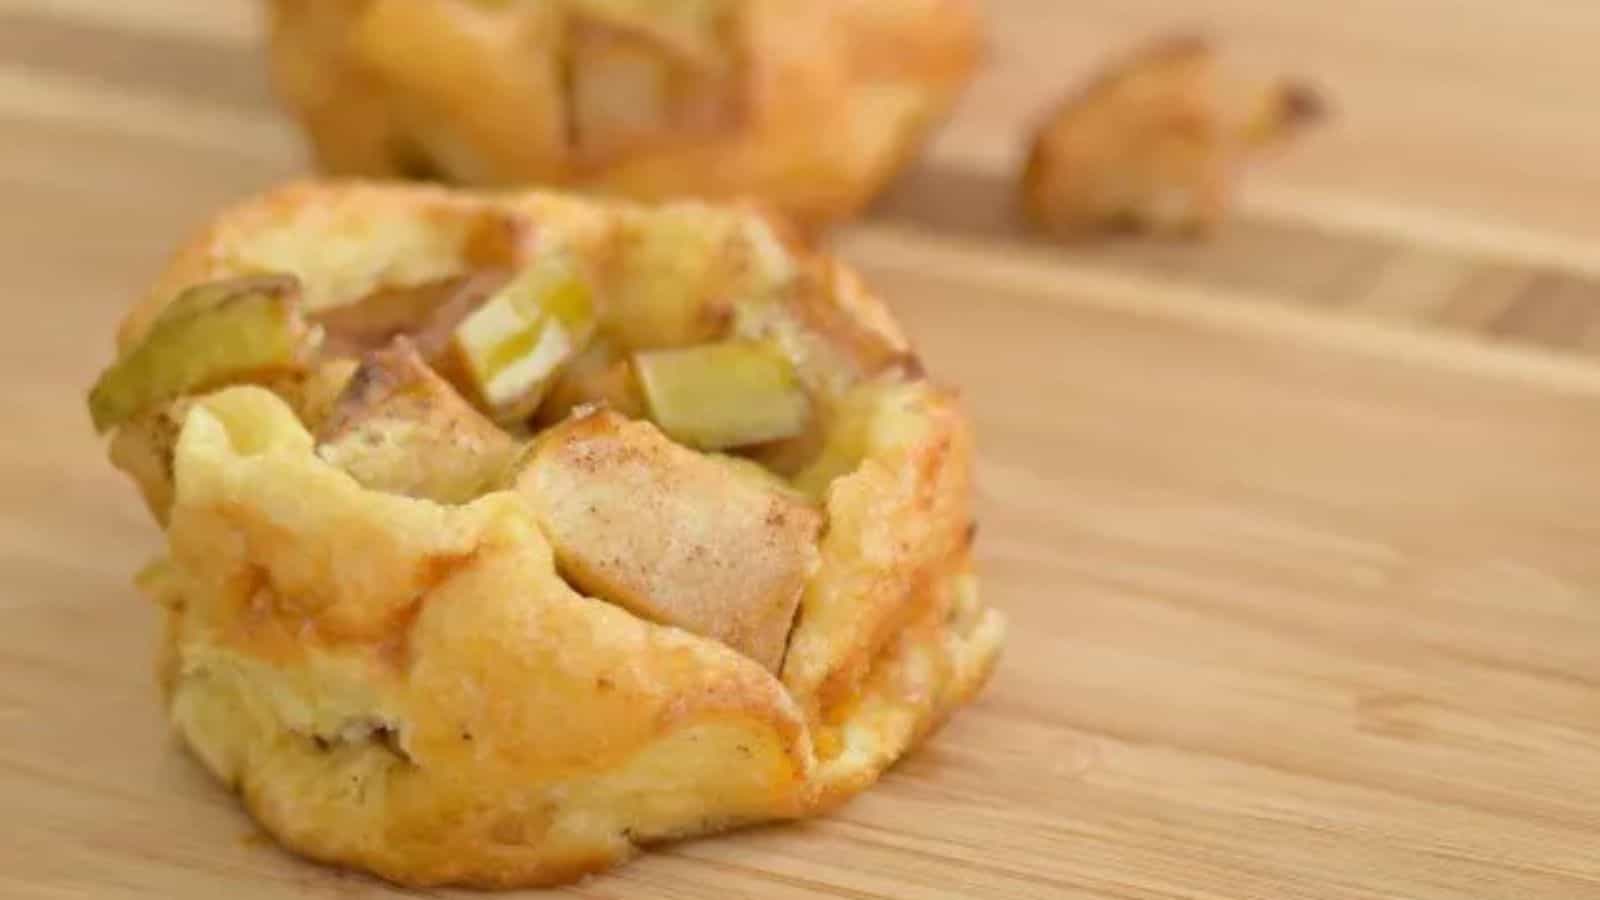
(453, 641)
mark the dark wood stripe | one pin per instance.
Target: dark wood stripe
(1291, 262)
(1554, 309)
(1250, 254)
(1488, 290)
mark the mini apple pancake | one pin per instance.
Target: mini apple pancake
(809, 106)
(508, 534)
(1154, 143)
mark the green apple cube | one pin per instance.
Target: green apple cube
(513, 347)
(722, 395)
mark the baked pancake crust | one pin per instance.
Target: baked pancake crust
(402, 678)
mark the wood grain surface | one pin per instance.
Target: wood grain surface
(1297, 529)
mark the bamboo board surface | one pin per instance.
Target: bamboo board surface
(1297, 530)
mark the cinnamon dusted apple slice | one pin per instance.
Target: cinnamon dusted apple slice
(399, 427)
(670, 534)
(728, 394)
(210, 335)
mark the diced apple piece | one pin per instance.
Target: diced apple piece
(672, 535)
(512, 348)
(399, 427)
(211, 335)
(427, 314)
(620, 87)
(729, 394)
(600, 375)
(635, 76)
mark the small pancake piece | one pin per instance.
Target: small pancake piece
(1155, 142)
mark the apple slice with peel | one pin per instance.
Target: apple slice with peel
(213, 334)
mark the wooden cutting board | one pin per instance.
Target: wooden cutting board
(1298, 530)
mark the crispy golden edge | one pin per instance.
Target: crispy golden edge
(894, 524)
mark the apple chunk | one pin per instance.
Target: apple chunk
(209, 336)
(399, 427)
(728, 394)
(512, 347)
(600, 375)
(670, 534)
